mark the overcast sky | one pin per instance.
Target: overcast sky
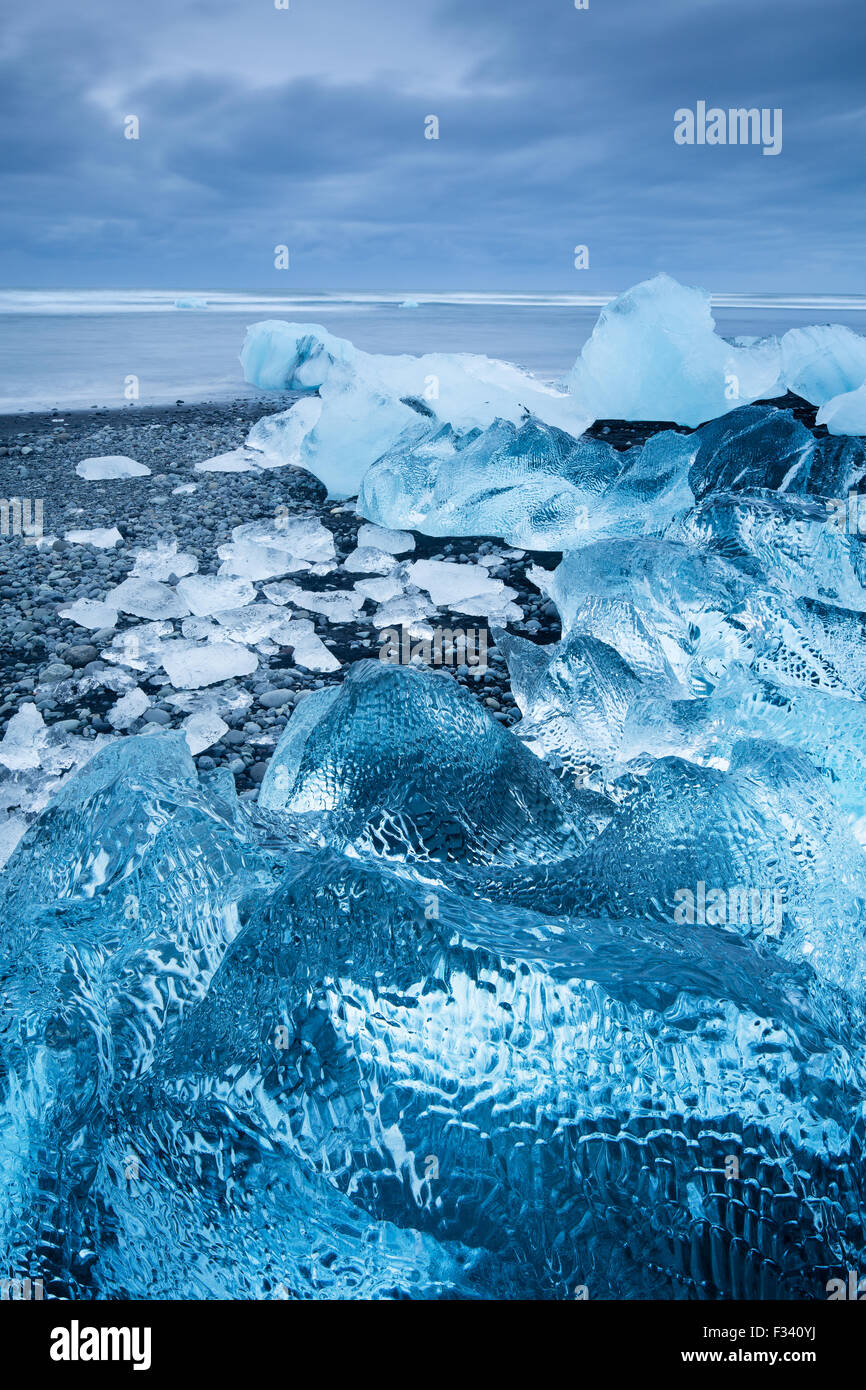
(305, 127)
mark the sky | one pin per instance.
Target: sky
(305, 127)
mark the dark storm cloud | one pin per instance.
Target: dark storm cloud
(307, 127)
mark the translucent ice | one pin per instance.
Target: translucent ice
(206, 594)
(147, 598)
(163, 562)
(382, 538)
(339, 606)
(531, 484)
(25, 734)
(464, 588)
(103, 537)
(90, 612)
(655, 355)
(823, 361)
(128, 708)
(110, 467)
(845, 414)
(362, 398)
(190, 666)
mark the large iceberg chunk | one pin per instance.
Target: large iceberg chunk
(823, 361)
(655, 355)
(367, 400)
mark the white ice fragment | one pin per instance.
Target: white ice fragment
(139, 647)
(103, 537)
(845, 414)
(253, 624)
(111, 466)
(383, 538)
(464, 588)
(203, 729)
(128, 708)
(339, 606)
(367, 560)
(90, 613)
(147, 598)
(23, 740)
(381, 590)
(309, 650)
(164, 561)
(184, 489)
(206, 594)
(189, 666)
(405, 610)
(302, 536)
(235, 461)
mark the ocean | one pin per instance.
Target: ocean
(69, 349)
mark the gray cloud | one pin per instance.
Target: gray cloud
(306, 127)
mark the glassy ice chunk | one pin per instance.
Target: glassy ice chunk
(382, 538)
(370, 399)
(206, 594)
(189, 666)
(110, 467)
(90, 613)
(164, 561)
(102, 537)
(755, 447)
(147, 598)
(405, 758)
(302, 536)
(128, 708)
(654, 354)
(235, 461)
(309, 650)
(339, 606)
(464, 588)
(203, 729)
(24, 737)
(366, 560)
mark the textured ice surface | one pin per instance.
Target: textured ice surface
(110, 467)
(655, 355)
(24, 736)
(419, 1028)
(531, 484)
